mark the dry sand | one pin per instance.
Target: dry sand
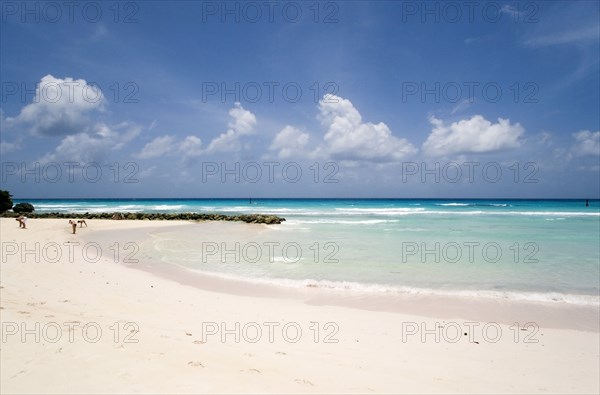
(74, 326)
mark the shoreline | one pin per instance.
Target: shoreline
(550, 315)
(560, 314)
(183, 345)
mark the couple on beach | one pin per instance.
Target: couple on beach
(73, 224)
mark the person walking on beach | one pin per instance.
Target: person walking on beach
(22, 221)
(73, 225)
(82, 222)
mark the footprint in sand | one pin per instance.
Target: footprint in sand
(198, 342)
(195, 364)
(23, 312)
(280, 353)
(304, 382)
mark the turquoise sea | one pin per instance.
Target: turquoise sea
(546, 250)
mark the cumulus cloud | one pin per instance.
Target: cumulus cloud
(243, 120)
(60, 107)
(191, 146)
(6, 147)
(242, 124)
(94, 145)
(586, 143)
(63, 108)
(289, 142)
(349, 138)
(78, 148)
(158, 147)
(474, 135)
(168, 145)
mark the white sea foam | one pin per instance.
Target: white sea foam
(128, 208)
(342, 221)
(375, 289)
(284, 259)
(413, 211)
(167, 207)
(473, 204)
(407, 230)
(54, 207)
(380, 211)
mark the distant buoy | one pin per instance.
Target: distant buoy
(587, 203)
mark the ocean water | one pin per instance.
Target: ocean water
(544, 250)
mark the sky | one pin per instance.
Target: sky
(327, 99)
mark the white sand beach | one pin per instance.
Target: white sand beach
(70, 325)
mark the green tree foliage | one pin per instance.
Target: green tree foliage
(6, 202)
(22, 208)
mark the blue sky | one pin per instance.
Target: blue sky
(300, 99)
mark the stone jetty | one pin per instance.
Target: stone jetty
(248, 218)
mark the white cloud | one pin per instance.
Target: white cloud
(6, 147)
(168, 145)
(243, 120)
(581, 34)
(63, 108)
(225, 142)
(148, 172)
(242, 125)
(97, 143)
(587, 143)
(79, 148)
(474, 135)
(60, 107)
(544, 138)
(191, 146)
(158, 147)
(349, 138)
(122, 133)
(461, 106)
(289, 142)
